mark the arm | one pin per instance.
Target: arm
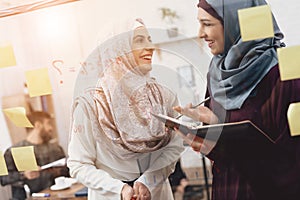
(82, 158)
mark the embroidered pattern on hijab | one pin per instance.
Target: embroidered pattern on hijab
(119, 105)
(235, 73)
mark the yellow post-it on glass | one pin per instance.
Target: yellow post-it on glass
(3, 167)
(289, 62)
(18, 116)
(256, 23)
(38, 82)
(293, 118)
(7, 56)
(24, 158)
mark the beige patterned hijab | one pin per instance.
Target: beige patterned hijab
(120, 103)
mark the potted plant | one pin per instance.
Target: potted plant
(169, 17)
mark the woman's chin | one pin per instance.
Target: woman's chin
(145, 68)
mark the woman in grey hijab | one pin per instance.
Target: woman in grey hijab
(244, 84)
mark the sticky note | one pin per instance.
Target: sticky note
(18, 116)
(7, 56)
(3, 167)
(293, 115)
(289, 62)
(24, 158)
(38, 82)
(256, 23)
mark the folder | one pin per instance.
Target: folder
(242, 140)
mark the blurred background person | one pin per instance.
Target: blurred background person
(45, 152)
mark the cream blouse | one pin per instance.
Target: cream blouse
(103, 173)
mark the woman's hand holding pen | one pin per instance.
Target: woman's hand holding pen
(200, 113)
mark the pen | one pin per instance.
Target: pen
(40, 195)
(195, 106)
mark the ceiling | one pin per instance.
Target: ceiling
(14, 7)
(4, 4)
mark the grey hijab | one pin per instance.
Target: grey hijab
(234, 74)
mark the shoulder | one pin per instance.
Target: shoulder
(54, 145)
(286, 86)
(21, 144)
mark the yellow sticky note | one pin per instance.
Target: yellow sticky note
(293, 118)
(256, 23)
(24, 158)
(289, 62)
(18, 116)
(38, 82)
(7, 56)
(3, 167)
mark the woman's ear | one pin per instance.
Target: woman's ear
(38, 124)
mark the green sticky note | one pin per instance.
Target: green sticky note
(293, 118)
(18, 116)
(256, 23)
(289, 62)
(24, 158)
(7, 56)
(38, 82)
(3, 167)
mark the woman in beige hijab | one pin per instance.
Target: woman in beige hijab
(117, 148)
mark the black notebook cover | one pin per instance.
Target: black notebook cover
(232, 139)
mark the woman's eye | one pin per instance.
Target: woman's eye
(140, 40)
(207, 24)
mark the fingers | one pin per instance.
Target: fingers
(31, 174)
(196, 143)
(127, 192)
(141, 191)
(184, 137)
(177, 109)
(181, 110)
(201, 113)
(207, 116)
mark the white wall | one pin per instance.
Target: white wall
(287, 15)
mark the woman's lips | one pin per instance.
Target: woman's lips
(210, 44)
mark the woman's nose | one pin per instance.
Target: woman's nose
(150, 46)
(201, 33)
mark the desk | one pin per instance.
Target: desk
(67, 194)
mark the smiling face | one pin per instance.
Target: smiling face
(211, 30)
(142, 49)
